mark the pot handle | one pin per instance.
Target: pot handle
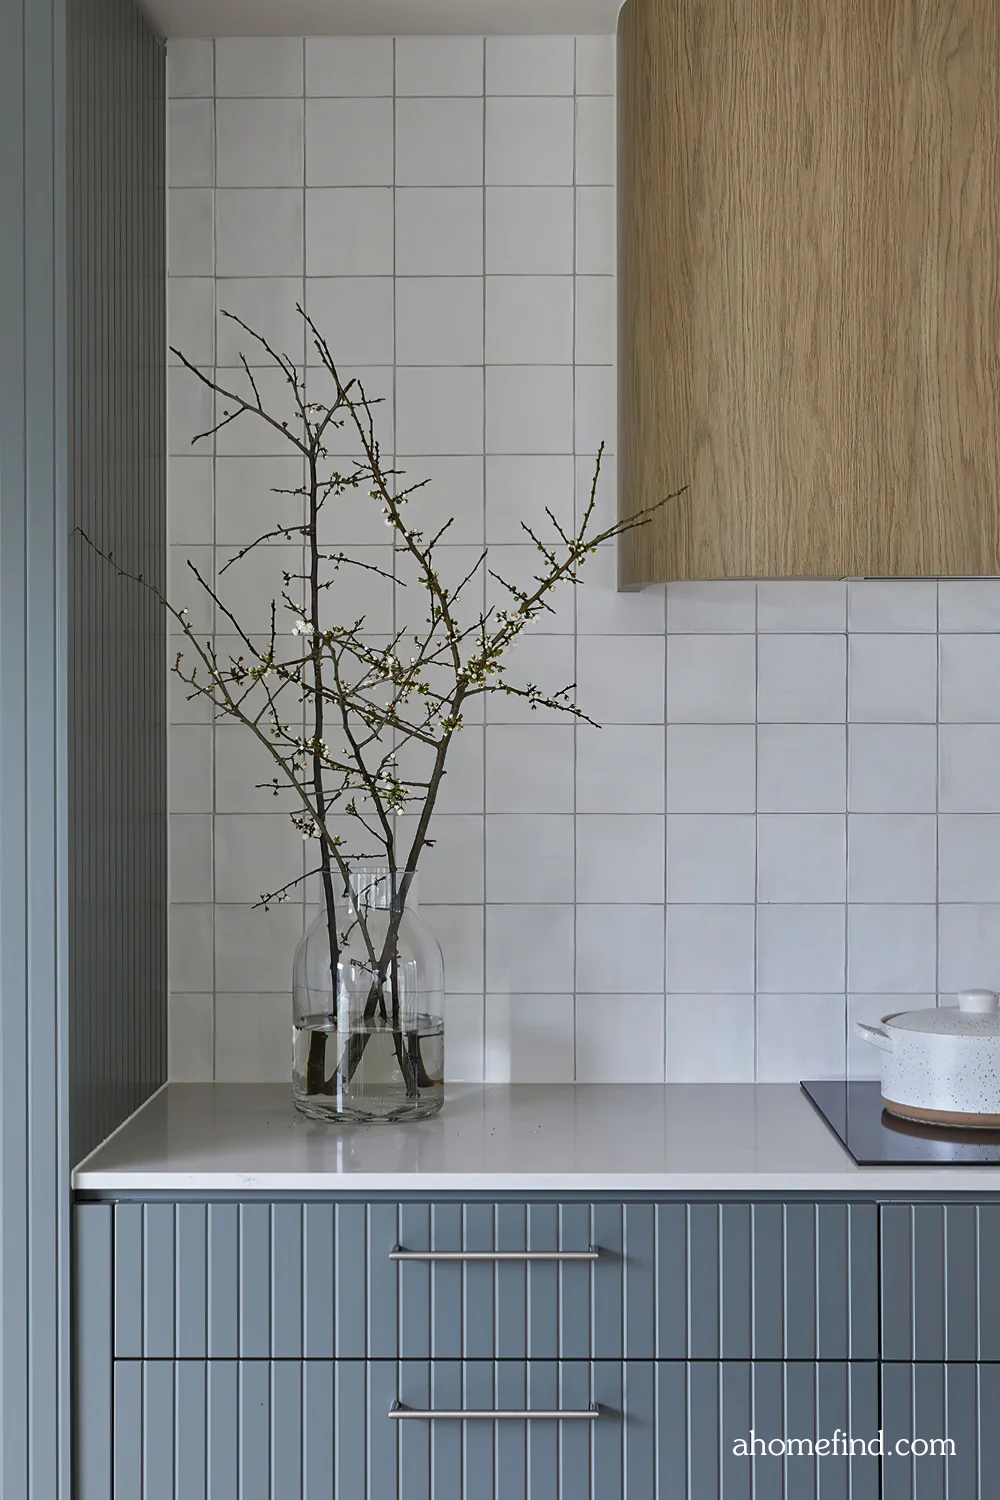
(874, 1034)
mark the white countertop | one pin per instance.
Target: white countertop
(549, 1137)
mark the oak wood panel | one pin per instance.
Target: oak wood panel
(809, 287)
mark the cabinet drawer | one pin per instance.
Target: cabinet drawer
(670, 1280)
(295, 1430)
(940, 1292)
(955, 1401)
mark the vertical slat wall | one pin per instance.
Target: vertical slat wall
(117, 495)
(34, 1235)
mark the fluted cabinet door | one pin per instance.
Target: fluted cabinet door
(940, 1292)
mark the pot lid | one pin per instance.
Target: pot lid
(976, 1014)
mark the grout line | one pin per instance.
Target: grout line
(756, 830)
(576, 606)
(485, 706)
(213, 731)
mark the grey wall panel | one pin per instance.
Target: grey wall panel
(116, 630)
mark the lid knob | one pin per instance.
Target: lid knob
(978, 1002)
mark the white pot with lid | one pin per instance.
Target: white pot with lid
(942, 1065)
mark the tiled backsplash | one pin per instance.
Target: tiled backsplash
(790, 818)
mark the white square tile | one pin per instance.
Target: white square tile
(711, 857)
(602, 610)
(893, 678)
(344, 66)
(529, 409)
(801, 768)
(596, 320)
(711, 768)
(243, 770)
(182, 706)
(186, 592)
(800, 1036)
(545, 660)
(711, 679)
(600, 756)
(259, 143)
(461, 788)
(893, 768)
(529, 857)
(190, 769)
(619, 1038)
(259, 231)
(800, 948)
(360, 593)
(529, 65)
(349, 143)
(190, 1028)
(802, 679)
(529, 949)
(969, 858)
(253, 1038)
(801, 857)
(189, 948)
(439, 320)
(267, 305)
(439, 231)
(710, 1038)
(891, 949)
(255, 853)
(248, 433)
(725, 608)
(892, 857)
(436, 66)
(967, 604)
(245, 507)
(439, 142)
(529, 320)
(788, 606)
(464, 1024)
(529, 142)
(620, 679)
(371, 383)
(518, 490)
(354, 314)
(595, 231)
(254, 949)
(190, 857)
(969, 938)
(597, 493)
(710, 949)
(522, 568)
(619, 858)
(459, 930)
(191, 318)
(883, 605)
(970, 679)
(529, 768)
(529, 231)
(189, 500)
(595, 64)
(529, 1038)
(595, 410)
(191, 143)
(191, 232)
(619, 948)
(595, 141)
(451, 868)
(439, 410)
(970, 754)
(453, 492)
(253, 67)
(190, 68)
(349, 232)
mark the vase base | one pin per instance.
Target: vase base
(368, 1112)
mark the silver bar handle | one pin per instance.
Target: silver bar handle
(398, 1253)
(400, 1413)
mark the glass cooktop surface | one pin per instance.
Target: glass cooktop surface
(874, 1138)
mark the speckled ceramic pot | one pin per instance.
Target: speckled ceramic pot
(942, 1065)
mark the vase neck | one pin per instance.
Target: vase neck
(375, 887)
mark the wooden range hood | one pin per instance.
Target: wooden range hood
(809, 287)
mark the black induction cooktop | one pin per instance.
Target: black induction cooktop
(875, 1138)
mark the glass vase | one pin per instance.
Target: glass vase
(368, 1002)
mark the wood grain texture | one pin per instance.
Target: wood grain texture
(809, 287)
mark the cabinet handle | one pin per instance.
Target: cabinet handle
(400, 1413)
(398, 1253)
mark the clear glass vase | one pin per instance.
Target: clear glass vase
(371, 1046)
